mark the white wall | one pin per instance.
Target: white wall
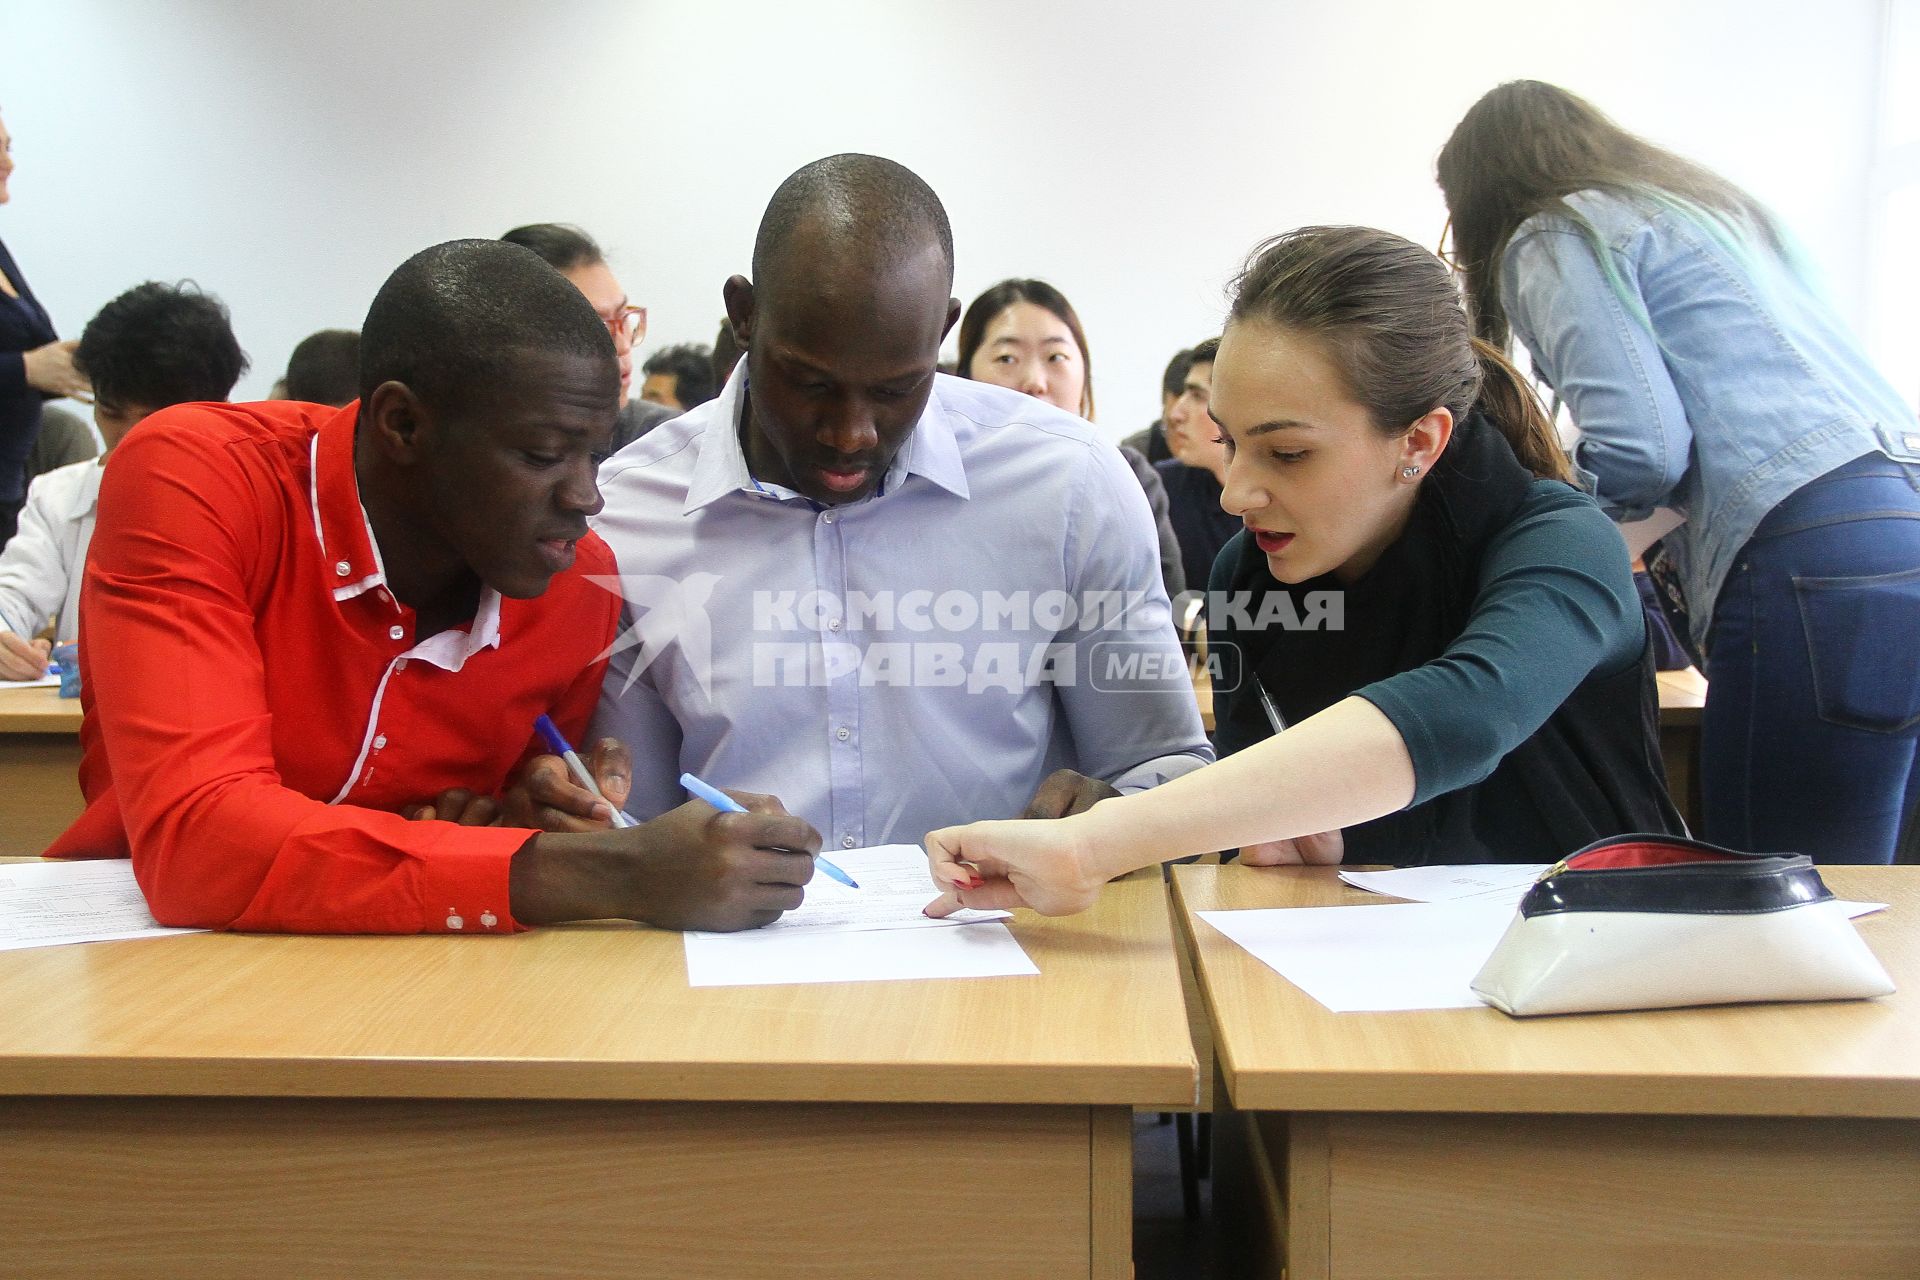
(288, 155)
(1893, 321)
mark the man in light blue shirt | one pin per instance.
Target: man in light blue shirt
(894, 599)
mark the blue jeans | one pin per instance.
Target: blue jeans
(1809, 737)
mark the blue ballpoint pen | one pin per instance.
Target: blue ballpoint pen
(727, 804)
(581, 773)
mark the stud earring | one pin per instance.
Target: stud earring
(1410, 472)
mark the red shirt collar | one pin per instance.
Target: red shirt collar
(346, 538)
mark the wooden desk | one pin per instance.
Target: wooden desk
(562, 1104)
(39, 767)
(1773, 1140)
(1682, 696)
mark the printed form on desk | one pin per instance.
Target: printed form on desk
(870, 934)
(44, 904)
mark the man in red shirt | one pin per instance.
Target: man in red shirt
(302, 624)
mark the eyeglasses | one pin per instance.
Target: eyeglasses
(628, 322)
(1445, 250)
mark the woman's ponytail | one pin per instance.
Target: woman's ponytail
(1509, 402)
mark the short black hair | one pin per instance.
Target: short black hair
(1174, 380)
(449, 318)
(1202, 353)
(560, 245)
(161, 344)
(692, 368)
(872, 202)
(325, 368)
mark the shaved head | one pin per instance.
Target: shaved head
(851, 296)
(446, 322)
(847, 209)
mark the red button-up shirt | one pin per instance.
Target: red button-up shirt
(257, 708)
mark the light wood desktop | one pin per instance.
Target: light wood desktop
(1759, 1141)
(1683, 696)
(39, 767)
(562, 1104)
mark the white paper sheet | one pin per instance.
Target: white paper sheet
(1495, 881)
(44, 904)
(765, 957)
(894, 887)
(1487, 882)
(1414, 955)
(874, 933)
(43, 682)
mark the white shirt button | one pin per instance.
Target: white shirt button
(489, 919)
(455, 922)
(827, 518)
(380, 742)
(843, 733)
(342, 568)
(846, 842)
(834, 625)
(397, 632)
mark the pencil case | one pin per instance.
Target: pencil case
(1656, 922)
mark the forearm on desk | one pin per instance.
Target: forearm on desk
(1345, 765)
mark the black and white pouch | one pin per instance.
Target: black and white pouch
(1660, 922)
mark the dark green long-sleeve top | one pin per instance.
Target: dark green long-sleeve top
(1534, 726)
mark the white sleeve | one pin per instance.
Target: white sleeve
(34, 575)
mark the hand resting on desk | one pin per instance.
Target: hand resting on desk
(1322, 850)
(1065, 793)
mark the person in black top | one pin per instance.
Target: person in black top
(1025, 335)
(1436, 653)
(34, 367)
(1152, 443)
(1198, 467)
(577, 256)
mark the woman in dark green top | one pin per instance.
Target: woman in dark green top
(1449, 628)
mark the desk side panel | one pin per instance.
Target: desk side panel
(1600, 1198)
(217, 1188)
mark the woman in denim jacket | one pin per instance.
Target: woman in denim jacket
(1705, 374)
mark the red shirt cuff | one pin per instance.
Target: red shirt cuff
(465, 880)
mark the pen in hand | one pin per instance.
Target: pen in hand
(727, 804)
(581, 773)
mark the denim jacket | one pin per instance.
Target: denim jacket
(1735, 384)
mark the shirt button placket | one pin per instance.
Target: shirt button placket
(843, 690)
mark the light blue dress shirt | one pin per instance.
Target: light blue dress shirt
(1727, 384)
(920, 658)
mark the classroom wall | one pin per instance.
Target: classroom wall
(288, 155)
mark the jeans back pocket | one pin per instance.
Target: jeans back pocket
(1863, 638)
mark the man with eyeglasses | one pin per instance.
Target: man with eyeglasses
(575, 255)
